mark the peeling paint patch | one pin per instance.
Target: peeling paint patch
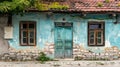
(107, 43)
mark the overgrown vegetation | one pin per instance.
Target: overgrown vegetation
(107, 1)
(99, 4)
(51, 6)
(40, 5)
(78, 58)
(20, 6)
(14, 6)
(100, 63)
(56, 5)
(43, 58)
(118, 4)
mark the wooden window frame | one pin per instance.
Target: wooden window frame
(95, 33)
(20, 32)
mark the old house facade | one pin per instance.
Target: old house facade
(84, 30)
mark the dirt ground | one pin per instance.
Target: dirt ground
(62, 63)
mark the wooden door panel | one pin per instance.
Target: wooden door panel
(63, 41)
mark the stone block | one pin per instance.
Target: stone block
(39, 51)
(106, 54)
(75, 54)
(2, 58)
(28, 58)
(33, 51)
(97, 54)
(19, 58)
(74, 47)
(12, 55)
(86, 51)
(82, 50)
(102, 54)
(115, 50)
(22, 53)
(119, 52)
(115, 47)
(75, 50)
(51, 50)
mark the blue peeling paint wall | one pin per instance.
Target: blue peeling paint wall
(45, 29)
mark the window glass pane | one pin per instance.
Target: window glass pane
(95, 26)
(24, 40)
(31, 37)
(31, 34)
(91, 41)
(24, 26)
(91, 37)
(99, 41)
(99, 34)
(24, 34)
(31, 40)
(31, 26)
(92, 34)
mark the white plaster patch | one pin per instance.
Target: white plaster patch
(75, 39)
(14, 40)
(96, 49)
(40, 40)
(82, 44)
(107, 43)
(10, 43)
(8, 32)
(119, 34)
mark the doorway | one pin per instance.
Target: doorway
(63, 40)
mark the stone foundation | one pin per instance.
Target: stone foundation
(109, 53)
(20, 55)
(49, 48)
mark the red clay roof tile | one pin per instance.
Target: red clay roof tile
(92, 5)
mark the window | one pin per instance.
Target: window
(96, 33)
(27, 33)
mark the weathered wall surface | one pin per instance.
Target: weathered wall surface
(3, 43)
(45, 30)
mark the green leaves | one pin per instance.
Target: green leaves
(5, 0)
(42, 57)
(5, 6)
(14, 6)
(99, 4)
(19, 6)
(56, 5)
(40, 5)
(107, 1)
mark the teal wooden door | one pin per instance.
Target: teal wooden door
(63, 40)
